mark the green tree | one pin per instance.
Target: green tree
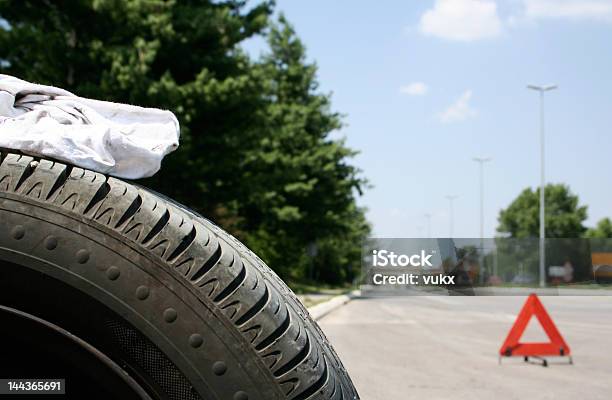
(255, 155)
(304, 189)
(178, 55)
(602, 230)
(563, 216)
(600, 237)
(564, 219)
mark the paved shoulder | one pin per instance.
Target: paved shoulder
(446, 347)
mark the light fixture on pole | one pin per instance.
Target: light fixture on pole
(450, 199)
(542, 90)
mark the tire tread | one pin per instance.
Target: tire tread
(270, 318)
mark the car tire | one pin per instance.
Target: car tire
(195, 312)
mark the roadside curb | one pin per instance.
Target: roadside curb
(322, 309)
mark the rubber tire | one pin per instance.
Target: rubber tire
(215, 310)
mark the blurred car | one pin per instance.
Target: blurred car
(523, 279)
(602, 267)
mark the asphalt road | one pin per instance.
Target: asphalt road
(446, 348)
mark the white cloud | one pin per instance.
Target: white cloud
(415, 89)
(462, 20)
(570, 9)
(460, 110)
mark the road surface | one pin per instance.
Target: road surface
(446, 348)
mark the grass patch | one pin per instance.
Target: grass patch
(313, 301)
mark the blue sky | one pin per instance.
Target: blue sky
(428, 85)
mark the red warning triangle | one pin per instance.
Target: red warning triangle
(512, 346)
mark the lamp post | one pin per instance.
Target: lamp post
(481, 161)
(450, 199)
(542, 90)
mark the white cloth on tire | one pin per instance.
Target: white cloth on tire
(116, 139)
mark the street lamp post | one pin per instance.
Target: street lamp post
(542, 90)
(481, 161)
(451, 198)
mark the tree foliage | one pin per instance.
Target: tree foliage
(601, 231)
(564, 217)
(256, 154)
